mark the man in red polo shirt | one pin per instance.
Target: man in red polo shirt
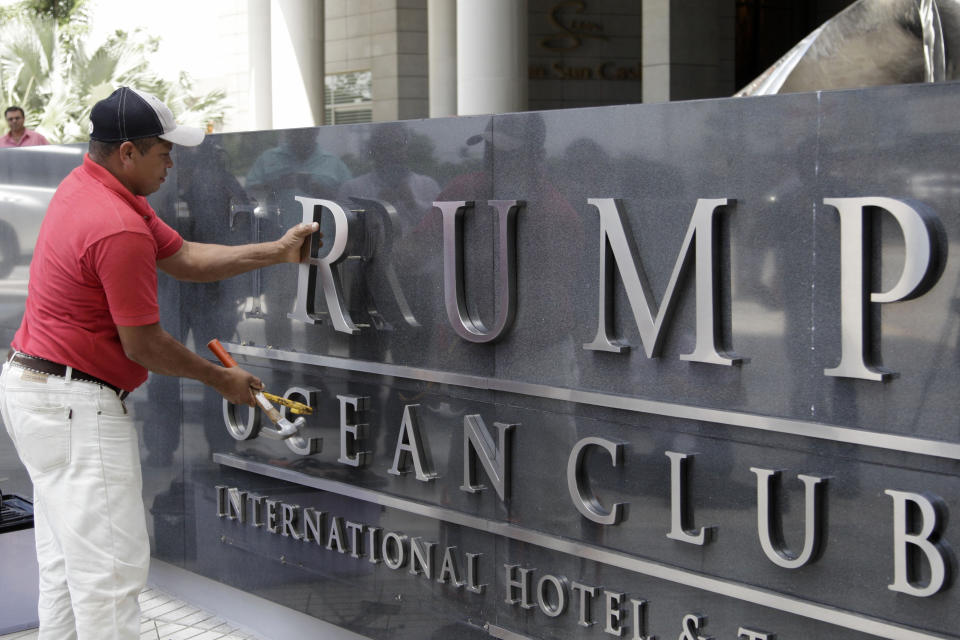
(89, 335)
(19, 135)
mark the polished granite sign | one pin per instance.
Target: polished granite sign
(681, 370)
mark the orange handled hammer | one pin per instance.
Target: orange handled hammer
(285, 428)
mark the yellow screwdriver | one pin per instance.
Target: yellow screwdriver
(295, 407)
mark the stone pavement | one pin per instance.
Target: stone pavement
(166, 618)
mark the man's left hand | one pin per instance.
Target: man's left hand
(295, 243)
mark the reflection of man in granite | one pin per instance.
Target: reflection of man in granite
(515, 160)
(385, 284)
(213, 196)
(89, 335)
(216, 204)
(392, 179)
(298, 166)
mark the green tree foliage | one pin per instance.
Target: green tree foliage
(60, 10)
(46, 69)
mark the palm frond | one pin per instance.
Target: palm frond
(46, 69)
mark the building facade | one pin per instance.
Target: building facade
(383, 60)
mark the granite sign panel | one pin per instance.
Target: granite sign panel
(674, 370)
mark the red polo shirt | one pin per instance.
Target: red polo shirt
(94, 267)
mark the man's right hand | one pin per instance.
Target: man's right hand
(155, 349)
(295, 243)
(238, 386)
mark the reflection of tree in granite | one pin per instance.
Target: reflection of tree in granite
(298, 166)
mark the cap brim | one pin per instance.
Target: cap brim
(186, 136)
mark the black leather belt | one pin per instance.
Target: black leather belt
(42, 365)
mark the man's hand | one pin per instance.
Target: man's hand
(202, 262)
(238, 386)
(152, 347)
(295, 243)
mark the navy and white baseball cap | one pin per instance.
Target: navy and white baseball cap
(129, 114)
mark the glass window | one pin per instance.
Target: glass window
(348, 97)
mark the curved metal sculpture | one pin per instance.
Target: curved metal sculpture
(870, 43)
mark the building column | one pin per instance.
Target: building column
(296, 28)
(688, 49)
(261, 78)
(655, 46)
(442, 50)
(491, 56)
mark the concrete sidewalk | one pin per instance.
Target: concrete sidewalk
(166, 618)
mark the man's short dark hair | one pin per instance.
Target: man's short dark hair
(100, 150)
(14, 108)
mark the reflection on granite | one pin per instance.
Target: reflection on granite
(777, 282)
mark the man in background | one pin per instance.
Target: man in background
(19, 135)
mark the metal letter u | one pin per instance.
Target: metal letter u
(469, 326)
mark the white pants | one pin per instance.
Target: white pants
(80, 449)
